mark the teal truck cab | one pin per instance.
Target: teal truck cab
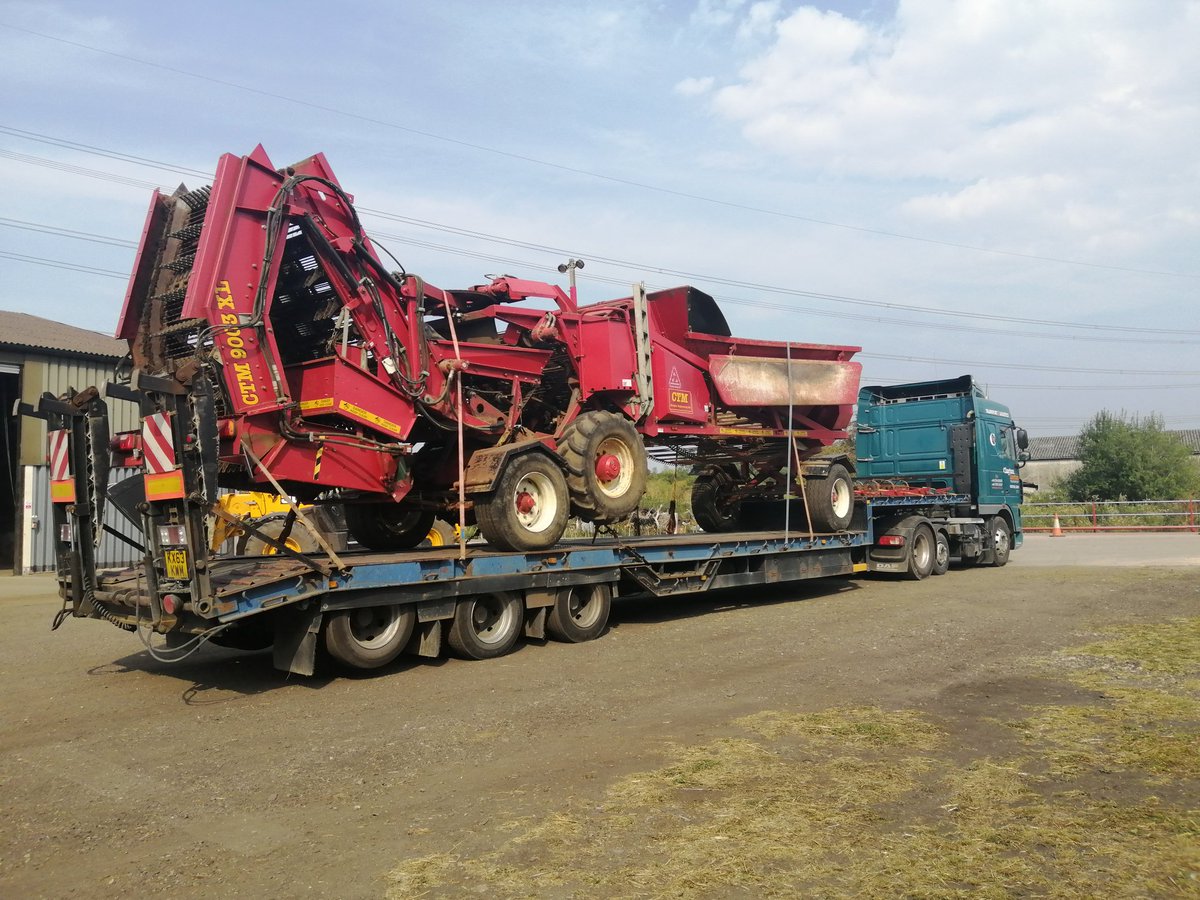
(956, 456)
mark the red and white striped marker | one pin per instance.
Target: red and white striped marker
(62, 485)
(164, 479)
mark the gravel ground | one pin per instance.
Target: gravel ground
(220, 776)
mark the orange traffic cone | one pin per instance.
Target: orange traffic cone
(1057, 530)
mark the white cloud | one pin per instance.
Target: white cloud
(1078, 115)
(694, 87)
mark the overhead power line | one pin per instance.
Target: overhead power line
(627, 264)
(61, 264)
(628, 182)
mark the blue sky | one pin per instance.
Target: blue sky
(1003, 188)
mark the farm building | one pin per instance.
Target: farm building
(40, 356)
(1054, 458)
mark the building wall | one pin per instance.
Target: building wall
(1044, 473)
(57, 374)
(38, 551)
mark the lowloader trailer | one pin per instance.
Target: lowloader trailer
(937, 477)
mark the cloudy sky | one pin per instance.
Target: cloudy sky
(1008, 188)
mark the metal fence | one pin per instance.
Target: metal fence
(1113, 515)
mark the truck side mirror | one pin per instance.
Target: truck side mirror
(1022, 438)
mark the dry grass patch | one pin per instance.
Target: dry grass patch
(1087, 800)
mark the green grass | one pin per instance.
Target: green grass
(1093, 798)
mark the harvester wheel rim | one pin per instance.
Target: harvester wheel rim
(617, 485)
(841, 497)
(535, 501)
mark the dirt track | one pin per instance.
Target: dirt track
(120, 775)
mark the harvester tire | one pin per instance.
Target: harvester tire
(606, 466)
(370, 636)
(528, 509)
(712, 507)
(387, 525)
(831, 500)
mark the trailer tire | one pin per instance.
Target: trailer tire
(387, 525)
(711, 506)
(599, 444)
(369, 636)
(580, 613)
(1001, 534)
(486, 625)
(528, 509)
(831, 504)
(922, 551)
(941, 554)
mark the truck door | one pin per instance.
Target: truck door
(999, 481)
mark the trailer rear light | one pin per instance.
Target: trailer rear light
(171, 535)
(892, 540)
(171, 604)
(64, 533)
(126, 443)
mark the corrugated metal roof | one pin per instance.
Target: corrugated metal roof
(1067, 447)
(25, 332)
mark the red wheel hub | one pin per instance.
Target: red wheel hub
(525, 503)
(608, 467)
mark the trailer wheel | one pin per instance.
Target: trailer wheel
(387, 525)
(831, 500)
(922, 551)
(606, 466)
(941, 553)
(580, 613)
(528, 509)
(1001, 540)
(712, 503)
(486, 625)
(370, 636)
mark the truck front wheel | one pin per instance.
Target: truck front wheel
(1001, 540)
(370, 636)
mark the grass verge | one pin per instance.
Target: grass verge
(1094, 798)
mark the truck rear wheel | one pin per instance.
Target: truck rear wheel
(831, 499)
(606, 466)
(922, 552)
(713, 505)
(486, 625)
(370, 636)
(387, 525)
(528, 509)
(941, 553)
(580, 613)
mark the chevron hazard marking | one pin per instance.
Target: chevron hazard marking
(158, 450)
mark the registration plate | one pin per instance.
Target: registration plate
(176, 564)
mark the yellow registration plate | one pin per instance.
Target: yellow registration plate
(176, 564)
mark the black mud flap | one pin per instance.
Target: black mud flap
(296, 633)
